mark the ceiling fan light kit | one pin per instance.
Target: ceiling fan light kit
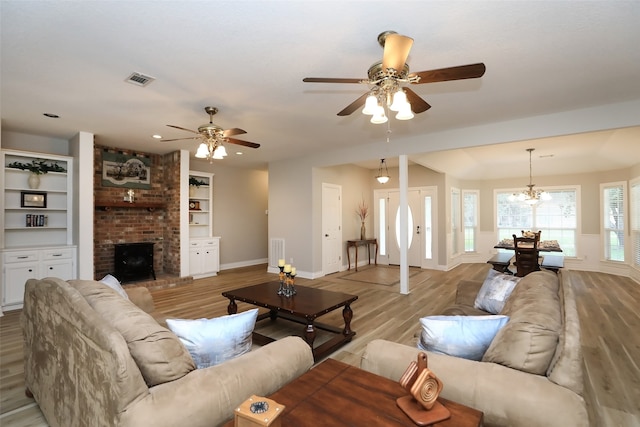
(389, 79)
(213, 138)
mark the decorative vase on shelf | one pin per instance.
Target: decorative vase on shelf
(363, 231)
(34, 181)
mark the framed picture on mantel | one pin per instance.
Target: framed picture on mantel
(125, 170)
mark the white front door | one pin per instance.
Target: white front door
(414, 230)
(331, 228)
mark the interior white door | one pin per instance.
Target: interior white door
(331, 228)
(414, 228)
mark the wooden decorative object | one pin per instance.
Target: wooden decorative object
(258, 411)
(424, 387)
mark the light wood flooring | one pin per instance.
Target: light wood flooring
(609, 308)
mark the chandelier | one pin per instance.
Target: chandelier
(383, 172)
(387, 94)
(530, 196)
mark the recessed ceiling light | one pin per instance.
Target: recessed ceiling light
(51, 115)
(239, 153)
(156, 136)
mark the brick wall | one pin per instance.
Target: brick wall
(134, 225)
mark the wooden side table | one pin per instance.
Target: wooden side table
(362, 242)
(336, 394)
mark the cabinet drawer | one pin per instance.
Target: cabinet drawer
(210, 243)
(49, 254)
(10, 257)
(195, 244)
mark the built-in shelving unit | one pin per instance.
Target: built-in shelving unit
(200, 204)
(36, 239)
(204, 248)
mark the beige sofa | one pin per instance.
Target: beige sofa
(531, 374)
(82, 370)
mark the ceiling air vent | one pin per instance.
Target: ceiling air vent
(139, 79)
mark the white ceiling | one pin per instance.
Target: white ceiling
(248, 58)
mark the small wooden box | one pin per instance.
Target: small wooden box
(244, 417)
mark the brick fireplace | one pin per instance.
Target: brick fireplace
(134, 224)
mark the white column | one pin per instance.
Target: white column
(404, 223)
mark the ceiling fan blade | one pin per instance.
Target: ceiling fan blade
(245, 143)
(233, 131)
(396, 51)
(330, 80)
(181, 128)
(354, 105)
(179, 139)
(471, 71)
(418, 105)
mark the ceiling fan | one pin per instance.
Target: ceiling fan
(388, 79)
(213, 137)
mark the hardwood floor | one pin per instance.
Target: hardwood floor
(608, 307)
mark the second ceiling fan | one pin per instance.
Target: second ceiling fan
(388, 79)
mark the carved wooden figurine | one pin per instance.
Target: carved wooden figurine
(424, 387)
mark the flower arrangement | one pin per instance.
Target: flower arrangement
(362, 211)
(38, 166)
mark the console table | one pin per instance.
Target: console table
(362, 242)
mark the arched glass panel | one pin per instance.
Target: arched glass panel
(409, 227)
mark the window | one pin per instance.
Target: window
(382, 224)
(556, 218)
(613, 213)
(455, 220)
(470, 212)
(635, 222)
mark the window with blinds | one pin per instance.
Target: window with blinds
(455, 221)
(557, 218)
(470, 215)
(634, 198)
(613, 220)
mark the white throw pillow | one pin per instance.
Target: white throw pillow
(213, 341)
(461, 336)
(494, 292)
(114, 284)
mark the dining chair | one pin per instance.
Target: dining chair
(527, 256)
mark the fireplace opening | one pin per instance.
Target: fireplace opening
(133, 261)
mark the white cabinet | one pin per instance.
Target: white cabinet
(18, 266)
(204, 257)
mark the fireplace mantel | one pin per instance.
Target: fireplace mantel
(106, 205)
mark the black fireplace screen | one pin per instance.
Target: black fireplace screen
(133, 261)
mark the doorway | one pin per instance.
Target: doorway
(331, 228)
(421, 228)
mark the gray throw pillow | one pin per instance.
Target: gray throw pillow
(461, 336)
(213, 341)
(494, 292)
(114, 284)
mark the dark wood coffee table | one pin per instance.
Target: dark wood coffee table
(334, 394)
(304, 307)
